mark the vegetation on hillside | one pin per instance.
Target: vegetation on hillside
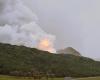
(23, 61)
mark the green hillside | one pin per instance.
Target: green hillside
(23, 61)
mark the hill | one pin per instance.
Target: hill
(24, 61)
(69, 50)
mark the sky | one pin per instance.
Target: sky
(56, 17)
(75, 23)
(90, 18)
(19, 26)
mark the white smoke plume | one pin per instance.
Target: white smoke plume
(18, 26)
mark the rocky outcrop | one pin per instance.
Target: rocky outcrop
(69, 50)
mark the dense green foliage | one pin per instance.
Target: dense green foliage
(20, 60)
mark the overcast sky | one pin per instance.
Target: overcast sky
(75, 23)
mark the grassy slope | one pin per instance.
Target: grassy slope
(22, 78)
(91, 78)
(17, 78)
(12, 78)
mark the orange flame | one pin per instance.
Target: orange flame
(46, 45)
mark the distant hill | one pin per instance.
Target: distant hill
(24, 61)
(97, 59)
(69, 50)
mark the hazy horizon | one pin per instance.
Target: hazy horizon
(74, 23)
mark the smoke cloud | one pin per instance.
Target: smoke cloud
(18, 26)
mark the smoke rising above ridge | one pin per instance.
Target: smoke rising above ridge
(18, 26)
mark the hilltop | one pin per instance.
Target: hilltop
(69, 50)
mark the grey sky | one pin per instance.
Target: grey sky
(90, 18)
(75, 23)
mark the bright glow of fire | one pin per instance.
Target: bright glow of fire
(46, 45)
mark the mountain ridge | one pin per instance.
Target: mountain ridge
(21, 60)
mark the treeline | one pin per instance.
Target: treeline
(23, 61)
